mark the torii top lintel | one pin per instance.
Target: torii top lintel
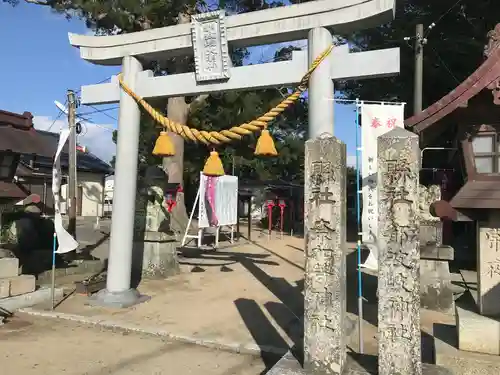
(268, 26)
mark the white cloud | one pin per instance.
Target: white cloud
(97, 137)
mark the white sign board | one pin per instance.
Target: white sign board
(224, 201)
(376, 120)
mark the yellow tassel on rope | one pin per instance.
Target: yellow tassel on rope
(164, 146)
(213, 165)
(265, 145)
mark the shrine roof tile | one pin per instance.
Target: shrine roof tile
(477, 194)
(484, 77)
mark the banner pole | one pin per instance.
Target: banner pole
(53, 286)
(358, 219)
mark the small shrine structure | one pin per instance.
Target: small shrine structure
(460, 142)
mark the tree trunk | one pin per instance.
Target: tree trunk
(177, 110)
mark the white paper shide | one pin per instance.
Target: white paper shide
(65, 241)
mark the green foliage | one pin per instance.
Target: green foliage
(229, 109)
(218, 111)
(454, 49)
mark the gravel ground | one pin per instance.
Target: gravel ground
(30, 346)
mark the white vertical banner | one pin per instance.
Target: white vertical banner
(376, 120)
(65, 240)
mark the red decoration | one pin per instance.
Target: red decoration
(376, 123)
(282, 205)
(170, 200)
(270, 205)
(391, 123)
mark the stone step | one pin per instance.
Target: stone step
(477, 333)
(461, 362)
(77, 267)
(9, 267)
(30, 299)
(17, 285)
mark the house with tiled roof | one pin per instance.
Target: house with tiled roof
(26, 158)
(35, 173)
(17, 137)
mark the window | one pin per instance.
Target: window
(486, 150)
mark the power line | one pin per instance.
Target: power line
(97, 83)
(432, 25)
(444, 65)
(57, 118)
(97, 110)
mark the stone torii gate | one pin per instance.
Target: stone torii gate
(207, 37)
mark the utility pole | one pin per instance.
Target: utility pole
(72, 163)
(420, 41)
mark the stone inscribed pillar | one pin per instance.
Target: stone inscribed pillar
(155, 250)
(325, 276)
(488, 266)
(399, 258)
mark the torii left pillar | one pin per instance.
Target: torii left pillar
(118, 292)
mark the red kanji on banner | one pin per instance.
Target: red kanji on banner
(391, 123)
(376, 123)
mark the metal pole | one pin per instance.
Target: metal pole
(72, 163)
(320, 85)
(419, 68)
(44, 207)
(358, 220)
(249, 218)
(118, 292)
(53, 281)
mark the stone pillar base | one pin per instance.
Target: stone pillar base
(156, 256)
(435, 286)
(127, 298)
(461, 362)
(477, 333)
(355, 365)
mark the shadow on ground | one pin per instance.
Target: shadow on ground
(288, 313)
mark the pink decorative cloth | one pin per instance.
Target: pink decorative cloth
(210, 199)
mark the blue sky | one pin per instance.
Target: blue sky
(40, 66)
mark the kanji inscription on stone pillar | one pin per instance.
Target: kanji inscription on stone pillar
(399, 258)
(488, 266)
(325, 288)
